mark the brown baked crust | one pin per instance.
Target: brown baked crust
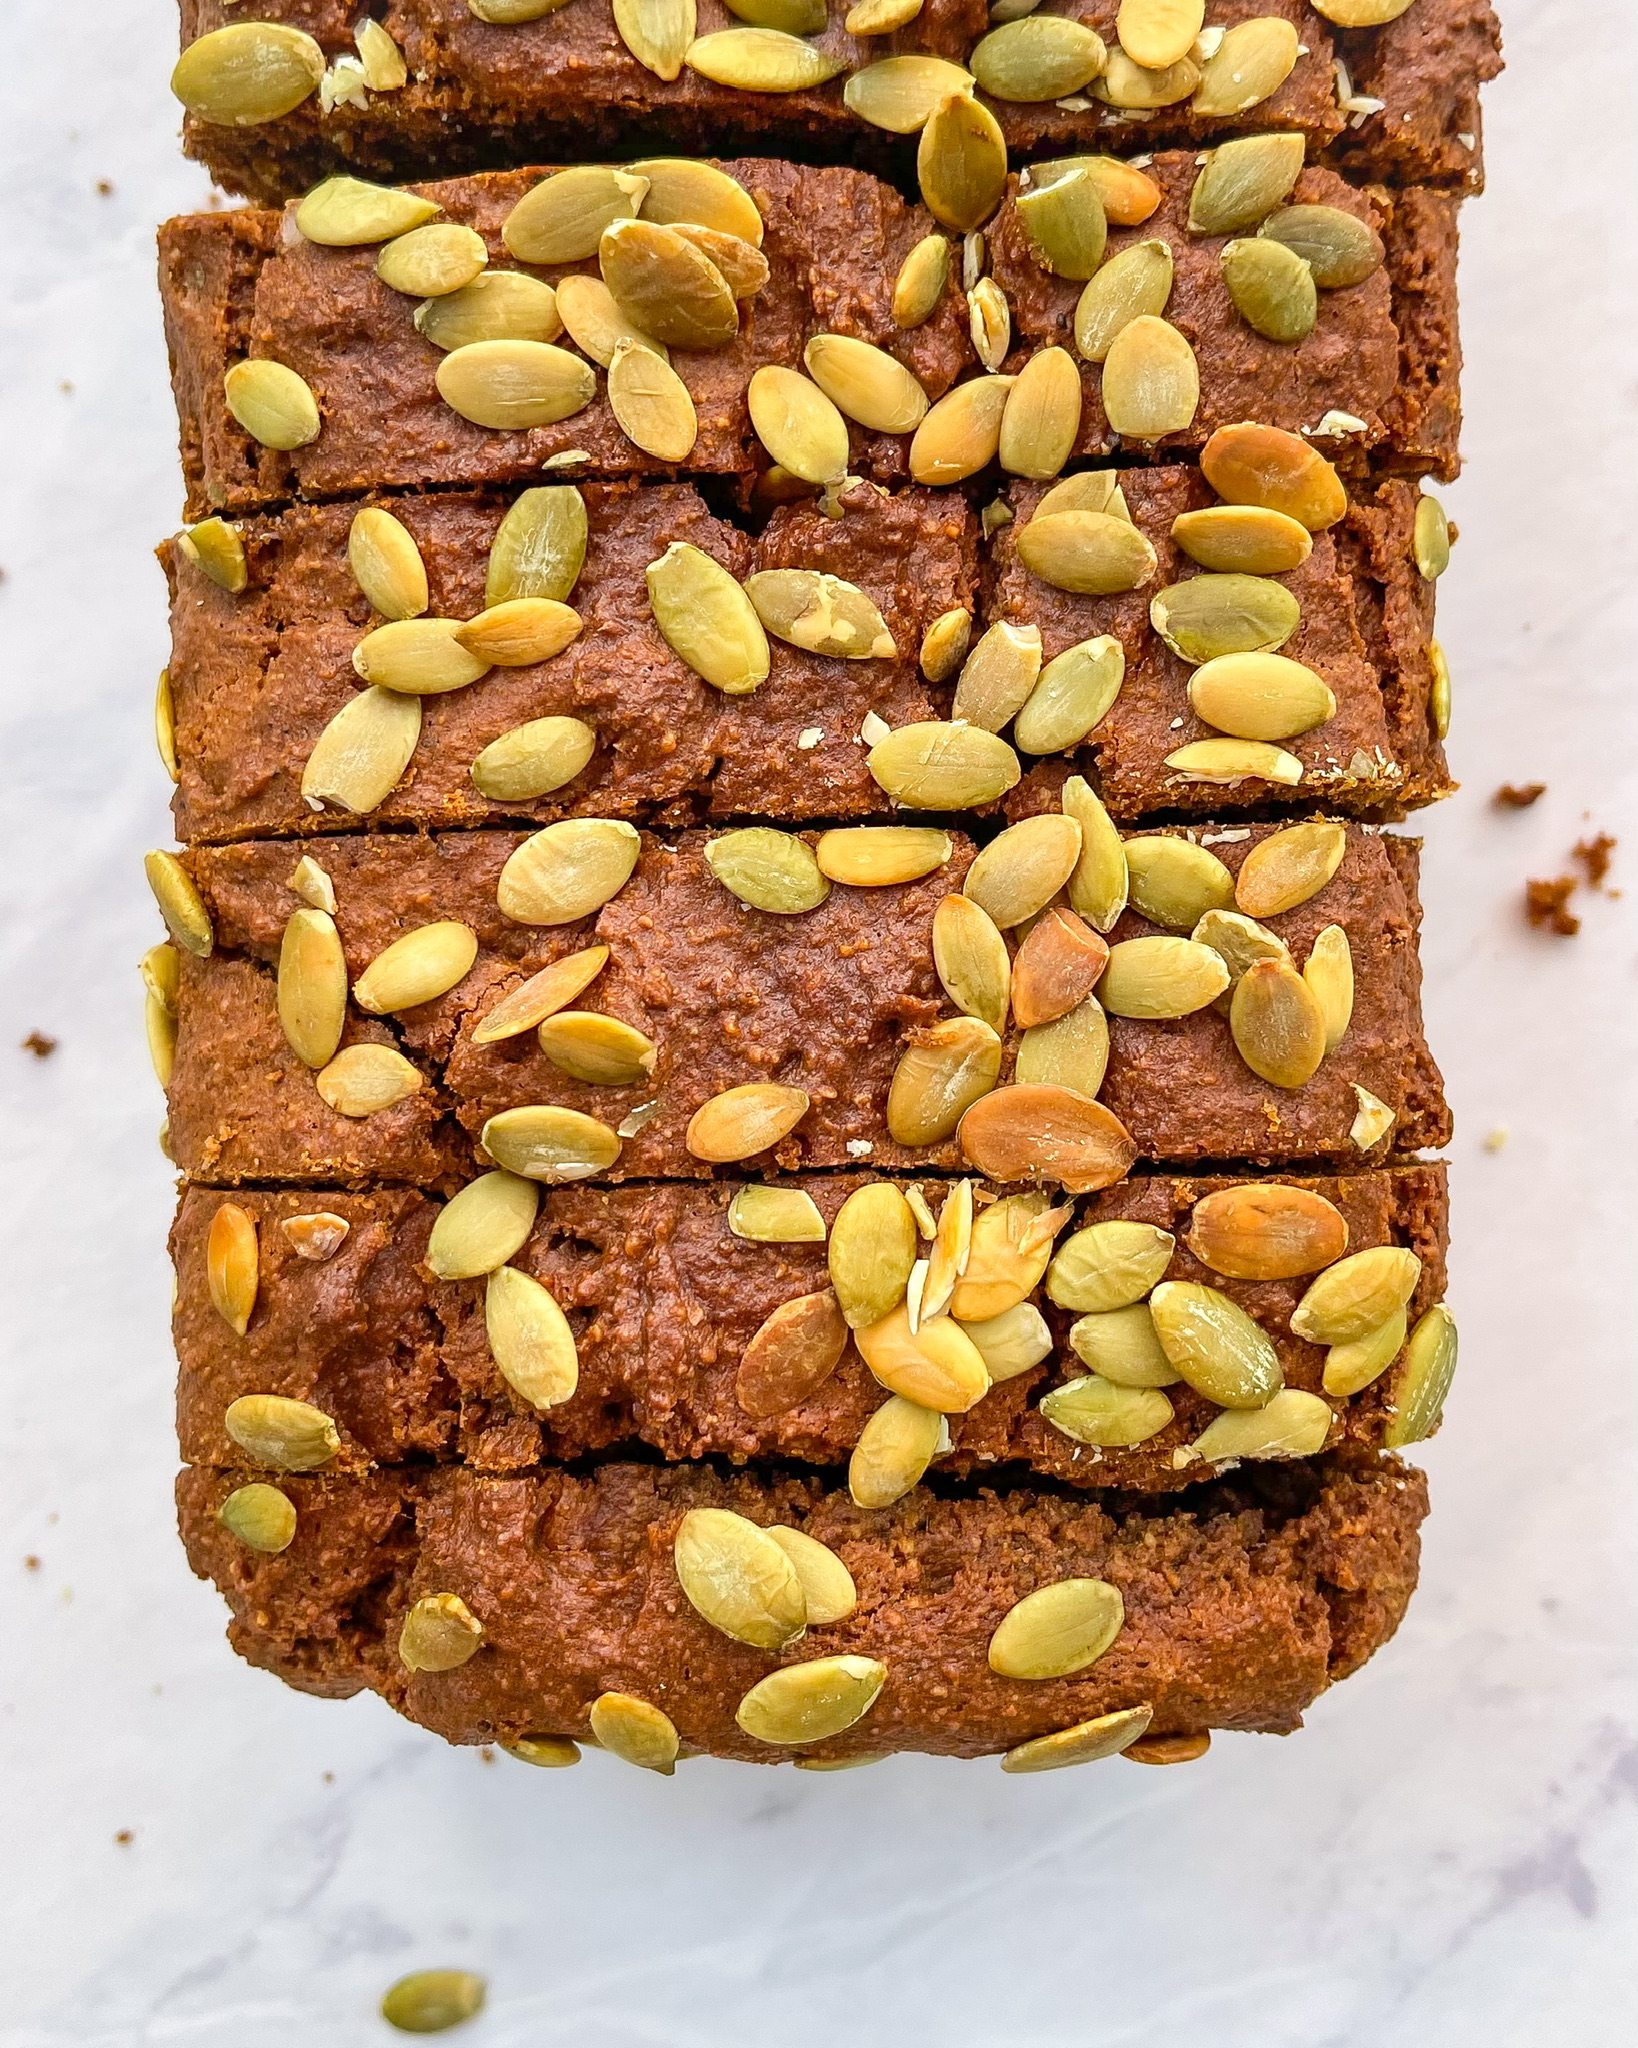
(481, 95)
(822, 1001)
(1239, 1609)
(664, 1300)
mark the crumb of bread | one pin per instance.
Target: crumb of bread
(1547, 903)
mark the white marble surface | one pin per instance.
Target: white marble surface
(1444, 1856)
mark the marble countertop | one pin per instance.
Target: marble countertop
(1444, 1856)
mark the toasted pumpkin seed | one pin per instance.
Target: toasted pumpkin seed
(1338, 248)
(827, 1584)
(543, 1142)
(791, 1356)
(895, 1448)
(1361, 13)
(635, 1731)
(534, 759)
(944, 644)
(366, 1079)
(769, 870)
(1085, 1743)
(740, 1122)
(530, 1339)
(1074, 694)
(520, 632)
(1122, 1346)
(1348, 1300)
(1136, 89)
(998, 676)
(541, 996)
(1093, 554)
(1098, 1411)
(159, 1025)
(591, 1047)
(1289, 867)
(1260, 696)
(820, 613)
(1098, 887)
(882, 856)
(1431, 544)
(272, 403)
(707, 620)
(1168, 1749)
(247, 73)
(1329, 972)
(1010, 1245)
(1151, 381)
(923, 277)
(989, 321)
(539, 548)
(1072, 1051)
(1253, 61)
(1266, 1232)
(937, 1366)
(318, 1236)
(482, 1225)
(1232, 761)
(417, 968)
(935, 766)
(260, 1516)
(1134, 283)
(797, 424)
(961, 432)
(291, 1436)
(312, 987)
(380, 58)
(809, 1702)
(498, 305)
(161, 971)
(215, 549)
(514, 385)
(1292, 1425)
(1242, 181)
(972, 961)
(900, 93)
(1174, 882)
(180, 903)
(769, 1215)
(656, 32)
(947, 1261)
(738, 1578)
(1037, 1131)
(1423, 1381)
(232, 1265)
(872, 1249)
(666, 285)
(562, 219)
(1127, 194)
(1057, 1629)
(440, 1633)
(1013, 1342)
(346, 213)
(761, 60)
(1251, 464)
(1057, 965)
(961, 162)
(1040, 58)
(386, 564)
(1042, 416)
(1245, 540)
(1215, 1345)
(1278, 1024)
(1272, 288)
(1350, 1368)
(866, 383)
(1023, 868)
(1065, 221)
(432, 261)
(1109, 1266)
(687, 191)
(943, 1070)
(1161, 977)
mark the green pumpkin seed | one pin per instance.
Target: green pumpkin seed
(798, 425)
(1017, 875)
(1289, 867)
(900, 93)
(481, 1226)
(1134, 283)
(1338, 248)
(183, 908)
(165, 725)
(600, 1050)
(1232, 761)
(247, 73)
(1174, 883)
(665, 285)
(1272, 288)
(1243, 539)
(440, 1633)
(935, 766)
(761, 60)
(1253, 60)
(260, 1516)
(431, 262)
(1209, 616)
(596, 324)
(361, 754)
(386, 564)
(215, 549)
(873, 1244)
(707, 620)
(1109, 1266)
(1423, 1381)
(1043, 57)
(895, 1448)
(880, 17)
(513, 385)
(922, 281)
(1065, 222)
(944, 1070)
(562, 219)
(1076, 691)
(508, 12)
(1260, 696)
(809, 1702)
(1151, 381)
(532, 760)
(549, 1144)
(311, 994)
(1161, 977)
(1121, 1345)
(989, 321)
(1350, 1368)
(273, 405)
(1350, 1299)
(1278, 1024)
(739, 1579)
(429, 2001)
(683, 190)
(346, 213)
(1097, 1411)
(1086, 1743)
(567, 871)
(1135, 89)
(769, 870)
(1215, 1345)
(635, 1732)
(971, 956)
(1243, 181)
(547, 1752)
(1431, 544)
(767, 1215)
(1439, 691)
(539, 548)
(1239, 940)
(1361, 13)
(292, 1436)
(961, 163)
(866, 383)
(651, 403)
(944, 644)
(530, 1339)
(1057, 1629)
(418, 657)
(417, 968)
(998, 676)
(1042, 418)
(1329, 972)
(961, 433)
(1094, 554)
(820, 613)
(1373, 1120)
(1292, 1425)
(1155, 33)
(656, 32)
(1070, 1052)
(1013, 1342)
(500, 305)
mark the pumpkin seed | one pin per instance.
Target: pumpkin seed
(532, 760)
(1109, 1266)
(934, 766)
(797, 424)
(1013, 1342)
(943, 1070)
(215, 549)
(961, 432)
(989, 321)
(1260, 696)
(1423, 1381)
(562, 219)
(971, 957)
(482, 1225)
(1064, 220)
(1023, 868)
(1168, 1749)
(432, 261)
(1278, 1024)
(541, 996)
(161, 971)
(1098, 1411)
(1057, 965)
(1010, 1245)
(520, 632)
(923, 277)
(738, 1579)
(418, 968)
(880, 17)
(1439, 691)
(247, 73)
(386, 564)
(546, 1143)
(900, 93)
(791, 1356)
(539, 547)
(761, 60)
(1272, 288)
(1289, 867)
(1242, 540)
(635, 1731)
(937, 1366)
(685, 191)
(1431, 545)
(260, 1516)
(1097, 888)
(1042, 416)
(665, 285)
(595, 321)
(769, 870)
(418, 657)
(1075, 693)
(1243, 181)
(1350, 1368)
(180, 903)
(827, 1584)
(1240, 940)
(1121, 1345)
(1215, 1345)
(1360, 13)
(872, 1249)
(882, 856)
(549, 1752)
(312, 987)
(895, 1448)
(273, 405)
(1090, 490)
(1151, 381)
(588, 1046)
(291, 1436)
(1135, 89)
(1057, 1629)
(510, 11)
(1043, 58)
(1161, 977)
(1155, 33)
(944, 644)
(766, 1215)
(165, 725)
(1329, 972)
(318, 1236)
(499, 305)
(1292, 1425)
(1338, 248)
(1041, 1132)
(159, 1025)
(961, 162)
(1348, 1300)
(743, 266)
(707, 620)
(1174, 882)
(794, 17)
(440, 1633)
(1250, 464)
(1232, 761)
(812, 1701)
(656, 32)
(740, 1122)
(430, 2001)
(1127, 195)
(820, 613)
(1085, 1743)
(1072, 1051)
(866, 383)
(379, 58)
(1093, 554)
(232, 1265)
(530, 1339)
(513, 385)
(998, 676)
(1253, 61)
(651, 403)
(1135, 283)
(1266, 1232)
(346, 213)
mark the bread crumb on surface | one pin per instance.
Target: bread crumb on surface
(40, 1045)
(1594, 856)
(1518, 796)
(1547, 903)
